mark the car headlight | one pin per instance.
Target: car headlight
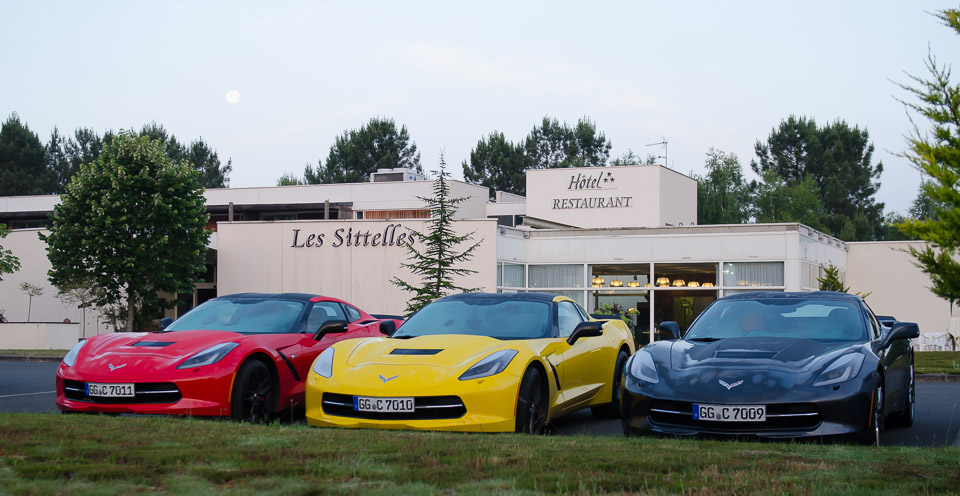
(842, 369)
(71, 357)
(491, 365)
(208, 356)
(643, 368)
(323, 365)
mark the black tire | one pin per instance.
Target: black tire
(612, 409)
(532, 403)
(909, 411)
(254, 395)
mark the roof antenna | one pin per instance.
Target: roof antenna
(664, 156)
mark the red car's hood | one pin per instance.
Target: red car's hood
(170, 345)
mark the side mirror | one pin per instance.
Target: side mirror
(388, 327)
(585, 330)
(165, 322)
(330, 327)
(671, 327)
(900, 330)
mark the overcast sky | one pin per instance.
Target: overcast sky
(696, 74)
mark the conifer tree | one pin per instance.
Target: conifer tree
(436, 263)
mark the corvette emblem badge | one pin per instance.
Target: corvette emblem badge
(115, 367)
(730, 386)
(388, 379)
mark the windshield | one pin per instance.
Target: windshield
(247, 315)
(806, 318)
(496, 318)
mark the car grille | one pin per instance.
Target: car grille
(145, 392)
(427, 408)
(780, 416)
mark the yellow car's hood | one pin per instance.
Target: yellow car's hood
(445, 350)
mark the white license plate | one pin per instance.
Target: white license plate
(730, 413)
(370, 404)
(110, 390)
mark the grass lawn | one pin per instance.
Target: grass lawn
(86, 454)
(937, 362)
(56, 353)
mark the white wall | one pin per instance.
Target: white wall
(261, 257)
(38, 336)
(34, 265)
(897, 287)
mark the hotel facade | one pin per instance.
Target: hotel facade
(621, 238)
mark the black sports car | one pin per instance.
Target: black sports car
(775, 365)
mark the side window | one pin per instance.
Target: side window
(567, 318)
(353, 314)
(874, 325)
(323, 311)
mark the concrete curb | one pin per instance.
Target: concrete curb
(938, 377)
(29, 358)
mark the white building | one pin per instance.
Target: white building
(622, 236)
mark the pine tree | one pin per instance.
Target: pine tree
(831, 280)
(436, 264)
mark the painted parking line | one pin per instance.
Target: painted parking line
(26, 394)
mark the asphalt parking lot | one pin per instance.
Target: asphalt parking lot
(31, 387)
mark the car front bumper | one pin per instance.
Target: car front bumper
(842, 411)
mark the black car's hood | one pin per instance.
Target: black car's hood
(781, 354)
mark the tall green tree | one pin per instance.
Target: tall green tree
(498, 164)
(8, 262)
(723, 197)
(131, 224)
(777, 200)
(357, 153)
(289, 179)
(555, 145)
(23, 163)
(937, 155)
(631, 158)
(437, 263)
(198, 153)
(839, 160)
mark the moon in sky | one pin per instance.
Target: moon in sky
(233, 96)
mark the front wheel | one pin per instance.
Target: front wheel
(612, 409)
(531, 403)
(254, 394)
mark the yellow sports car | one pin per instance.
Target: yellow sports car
(474, 362)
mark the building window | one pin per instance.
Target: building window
(754, 274)
(274, 216)
(809, 273)
(619, 276)
(556, 276)
(421, 213)
(679, 276)
(512, 276)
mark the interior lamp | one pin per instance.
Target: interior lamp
(663, 281)
(679, 283)
(707, 285)
(693, 284)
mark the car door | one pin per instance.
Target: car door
(895, 362)
(582, 367)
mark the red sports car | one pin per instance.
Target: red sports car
(243, 355)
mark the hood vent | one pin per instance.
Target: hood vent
(153, 344)
(411, 351)
(746, 354)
